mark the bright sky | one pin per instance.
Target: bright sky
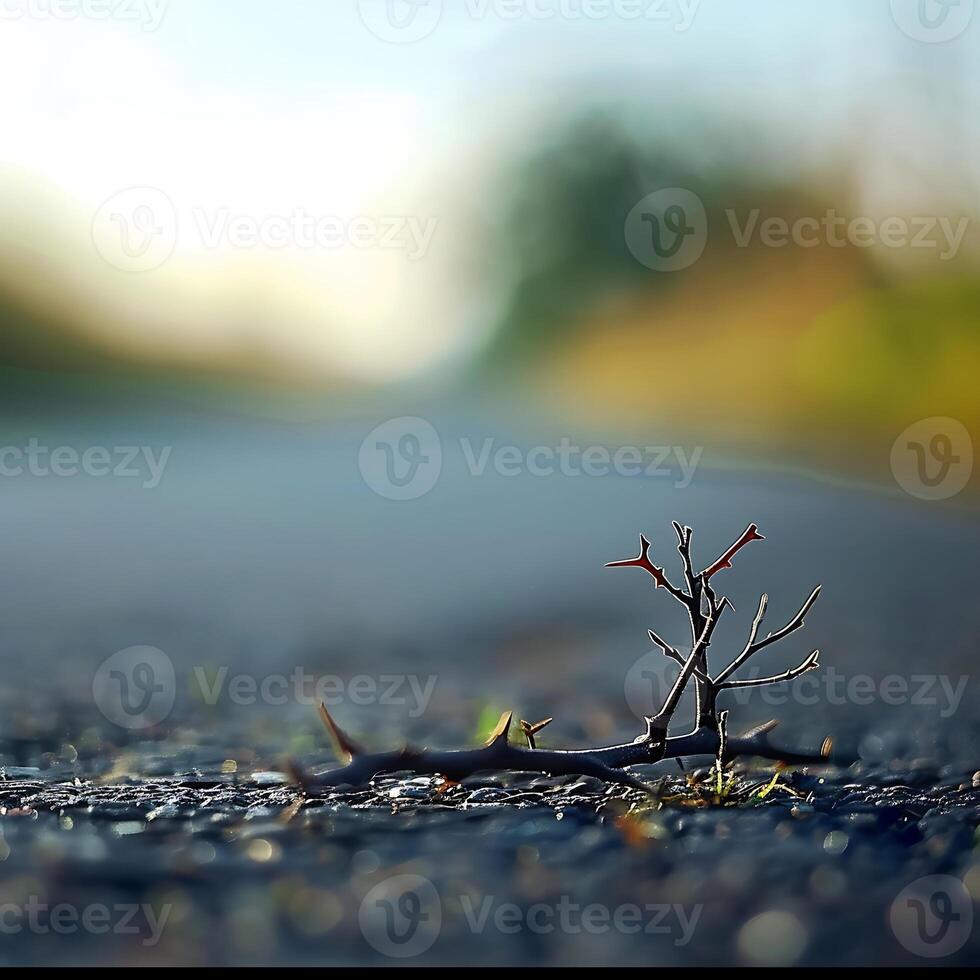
(261, 121)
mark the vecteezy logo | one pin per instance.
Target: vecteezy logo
(933, 916)
(136, 229)
(401, 459)
(135, 688)
(401, 21)
(932, 21)
(667, 230)
(674, 221)
(933, 458)
(941, 450)
(401, 916)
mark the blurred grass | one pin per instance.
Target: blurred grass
(817, 357)
(903, 351)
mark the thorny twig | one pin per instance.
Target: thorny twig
(611, 763)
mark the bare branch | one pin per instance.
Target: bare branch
(642, 560)
(760, 614)
(751, 533)
(722, 741)
(709, 737)
(753, 646)
(677, 655)
(662, 719)
(499, 756)
(666, 647)
(693, 599)
(787, 675)
(715, 605)
(793, 625)
(684, 535)
(602, 763)
(705, 742)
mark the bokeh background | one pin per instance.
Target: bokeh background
(476, 167)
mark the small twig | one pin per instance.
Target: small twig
(753, 646)
(679, 658)
(530, 730)
(722, 737)
(722, 747)
(810, 663)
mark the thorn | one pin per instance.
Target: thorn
(642, 560)
(751, 533)
(501, 733)
(537, 726)
(530, 730)
(658, 641)
(344, 745)
(764, 729)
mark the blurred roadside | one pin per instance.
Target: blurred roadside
(811, 326)
(752, 228)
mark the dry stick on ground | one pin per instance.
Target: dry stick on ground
(609, 763)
